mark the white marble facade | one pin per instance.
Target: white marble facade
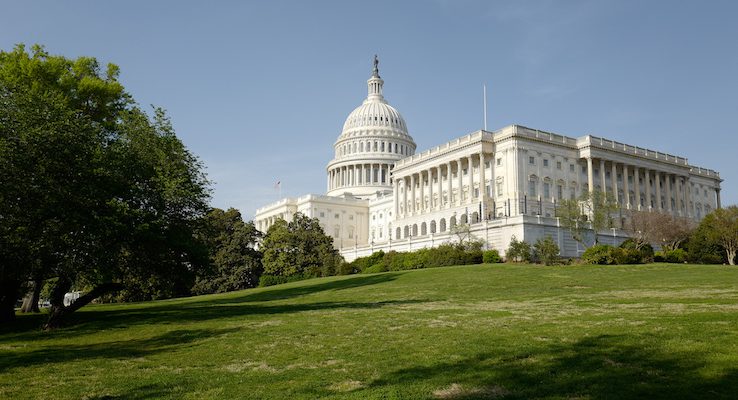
(381, 195)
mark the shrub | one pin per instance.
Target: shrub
(675, 256)
(491, 257)
(378, 267)
(546, 250)
(519, 251)
(602, 254)
(631, 255)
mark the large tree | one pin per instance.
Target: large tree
(299, 247)
(99, 195)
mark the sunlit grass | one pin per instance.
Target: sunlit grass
(492, 331)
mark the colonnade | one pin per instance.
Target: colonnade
(421, 194)
(652, 189)
(359, 175)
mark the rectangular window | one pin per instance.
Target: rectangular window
(559, 192)
(499, 188)
(571, 167)
(532, 188)
(531, 160)
(545, 162)
(558, 164)
(499, 161)
(572, 194)
(546, 190)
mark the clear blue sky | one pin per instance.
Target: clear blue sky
(259, 91)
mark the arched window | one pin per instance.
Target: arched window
(398, 231)
(475, 217)
(442, 223)
(415, 229)
(407, 231)
(423, 229)
(464, 219)
(452, 222)
(433, 227)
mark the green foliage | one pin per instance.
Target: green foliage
(701, 248)
(720, 227)
(518, 251)
(376, 268)
(299, 247)
(491, 256)
(546, 251)
(636, 252)
(95, 192)
(678, 256)
(602, 254)
(441, 256)
(234, 262)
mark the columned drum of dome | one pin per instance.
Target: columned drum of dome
(373, 138)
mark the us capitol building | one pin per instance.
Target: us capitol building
(382, 195)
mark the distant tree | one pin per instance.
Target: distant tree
(592, 211)
(234, 262)
(721, 227)
(653, 227)
(299, 247)
(546, 250)
(641, 226)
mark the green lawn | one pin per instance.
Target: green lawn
(491, 331)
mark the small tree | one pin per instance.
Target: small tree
(722, 228)
(519, 251)
(466, 240)
(592, 211)
(546, 250)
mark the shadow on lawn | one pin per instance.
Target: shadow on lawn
(115, 350)
(601, 367)
(198, 309)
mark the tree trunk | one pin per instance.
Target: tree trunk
(59, 314)
(30, 302)
(8, 296)
(731, 256)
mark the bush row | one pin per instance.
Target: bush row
(443, 255)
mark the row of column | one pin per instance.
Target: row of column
(414, 185)
(657, 186)
(359, 175)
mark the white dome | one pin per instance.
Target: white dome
(375, 114)
(373, 138)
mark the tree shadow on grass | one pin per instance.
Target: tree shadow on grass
(202, 309)
(601, 367)
(118, 350)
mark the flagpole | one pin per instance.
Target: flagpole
(484, 90)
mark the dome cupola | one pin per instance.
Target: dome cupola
(374, 136)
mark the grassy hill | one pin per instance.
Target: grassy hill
(491, 331)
